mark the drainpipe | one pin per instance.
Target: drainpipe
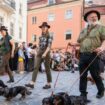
(82, 12)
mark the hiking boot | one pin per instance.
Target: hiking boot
(10, 81)
(85, 97)
(29, 85)
(47, 87)
(100, 94)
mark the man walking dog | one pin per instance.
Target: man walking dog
(92, 42)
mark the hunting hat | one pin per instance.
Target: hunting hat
(44, 24)
(89, 12)
(3, 28)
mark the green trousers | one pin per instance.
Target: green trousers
(38, 62)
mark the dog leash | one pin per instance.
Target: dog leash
(77, 78)
(19, 80)
(55, 83)
(57, 77)
(84, 71)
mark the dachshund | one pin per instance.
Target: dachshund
(63, 98)
(12, 92)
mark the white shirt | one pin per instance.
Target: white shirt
(29, 50)
(57, 57)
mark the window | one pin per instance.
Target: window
(20, 33)
(20, 9)
(68, 14)
(87, 1)
(51, 17)
(68, 34)
(11, 28)
(34, 20)
(1, 21)
(34, 38)
(51, 2)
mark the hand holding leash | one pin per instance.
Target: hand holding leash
(99, 50)
(43, 56)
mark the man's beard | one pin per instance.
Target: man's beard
(93, 23)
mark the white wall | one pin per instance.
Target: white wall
(5, 16)
(17, 19)
(21, 20)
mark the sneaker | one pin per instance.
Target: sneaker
(10, 81)
(100, 94)
(29, 85)
(47, 87)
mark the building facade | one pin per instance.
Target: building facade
(94, 2)
(13, 14)
(64, 17)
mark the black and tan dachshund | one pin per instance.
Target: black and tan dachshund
(63, 98)
(12, 92)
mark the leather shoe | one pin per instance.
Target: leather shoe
(100, 94)
(84, 96)
(47, 87)
(11, 80)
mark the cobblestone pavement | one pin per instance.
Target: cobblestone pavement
(65, 81)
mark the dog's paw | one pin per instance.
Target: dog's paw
(8, 99)
(28, 92)
(22, 98)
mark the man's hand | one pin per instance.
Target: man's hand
(12, 55)
(99, 50)
(44, 55)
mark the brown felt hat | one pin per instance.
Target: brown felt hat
(3, 28)
(44, 24)
(89, 12)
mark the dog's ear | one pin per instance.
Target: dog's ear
(58, 99)
(65, 95)
(1, 91)
(44, 101)
(47, 101)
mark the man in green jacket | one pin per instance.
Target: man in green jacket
(92, 42)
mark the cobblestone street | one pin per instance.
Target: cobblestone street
(66, 79)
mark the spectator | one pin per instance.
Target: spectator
(21, 58)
